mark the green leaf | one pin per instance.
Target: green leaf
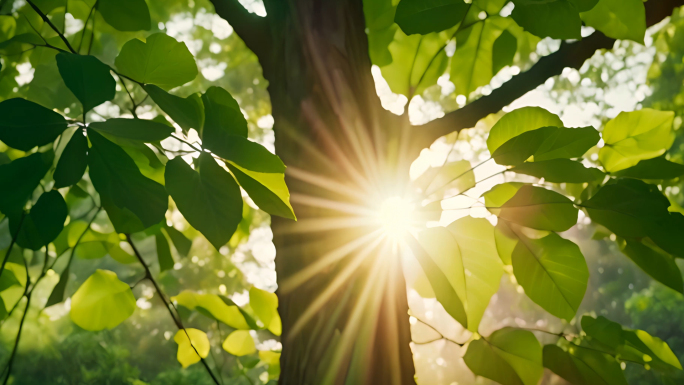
(628, 207)
(180, 241)
(557, 19)
(73, 161)
(509, 356)
(189, 348)
(125, 15)
(546, 143)
(426, 16)
(635, 136)
(656, 168)
(247, 154)
(518, 121)
(472, 64)
(213, 306)
(102, 302)
(583, 366)
(655, 263)
(503, 51)
(222, 118)
(265, 306)
(267, 190)
(649, 350)
(161, 60)
(25, 124)
(57, 294)
(540, 209)
(619, 19)
(553, 272)
(42, 224)
(560, 171)
(666, 232)
(584, 5)
(466, 254)
(415, 62)
(239, 343)
(499, 195)
(453, 176)
(164, 256)
(20, 178)
(88, 79)
(210, 200)
(122, 187)
(133, 129)
(603, 330)
(187, 112)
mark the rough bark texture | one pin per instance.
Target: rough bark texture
(343, 149)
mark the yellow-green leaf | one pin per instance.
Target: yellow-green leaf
(265, 306)
(102, 302)
(214, 306)
(188, 348)
(239, 343)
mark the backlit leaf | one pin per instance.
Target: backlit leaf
(189, 348)
(553, 272)
(619, 19)
(265, 306)
(239, 343)
(248, 154)
(635, 136)
(102, 302)
(161, 61)
(518, 121)
(509, 356)
(213, 306)
(267, 190)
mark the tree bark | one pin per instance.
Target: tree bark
(330, 126)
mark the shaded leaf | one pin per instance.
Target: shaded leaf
(503, 51)
(557, 19)
(560, 171)
(583, 366)
(133, 129)
(42, 224)
(73, 161)
(25, 124)
(102, 302)
(657, 264)
(425, 16)
(210, 199)
(125, 15)
(540, 209)
(88, 79)
(656, 168)
(222, 118)
(19, 178)
(187, 112)
(180, 241)
(163, 253)
(124, 191)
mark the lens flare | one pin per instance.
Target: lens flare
(396, 216)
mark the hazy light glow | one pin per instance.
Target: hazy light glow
(396, 216)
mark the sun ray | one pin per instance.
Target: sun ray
(312, 225)
(326, 260)
(325, 183)
(332, 288)
(342, 207)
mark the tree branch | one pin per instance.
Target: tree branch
(254, 30)
(571, 55)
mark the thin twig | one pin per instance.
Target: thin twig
(54, 28)
(14, 240)
(167, 304)
(441, 336)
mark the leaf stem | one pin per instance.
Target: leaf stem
(54, 28)
(441, 336)
(14, 240)
(167, 304)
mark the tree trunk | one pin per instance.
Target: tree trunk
(346, 321)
